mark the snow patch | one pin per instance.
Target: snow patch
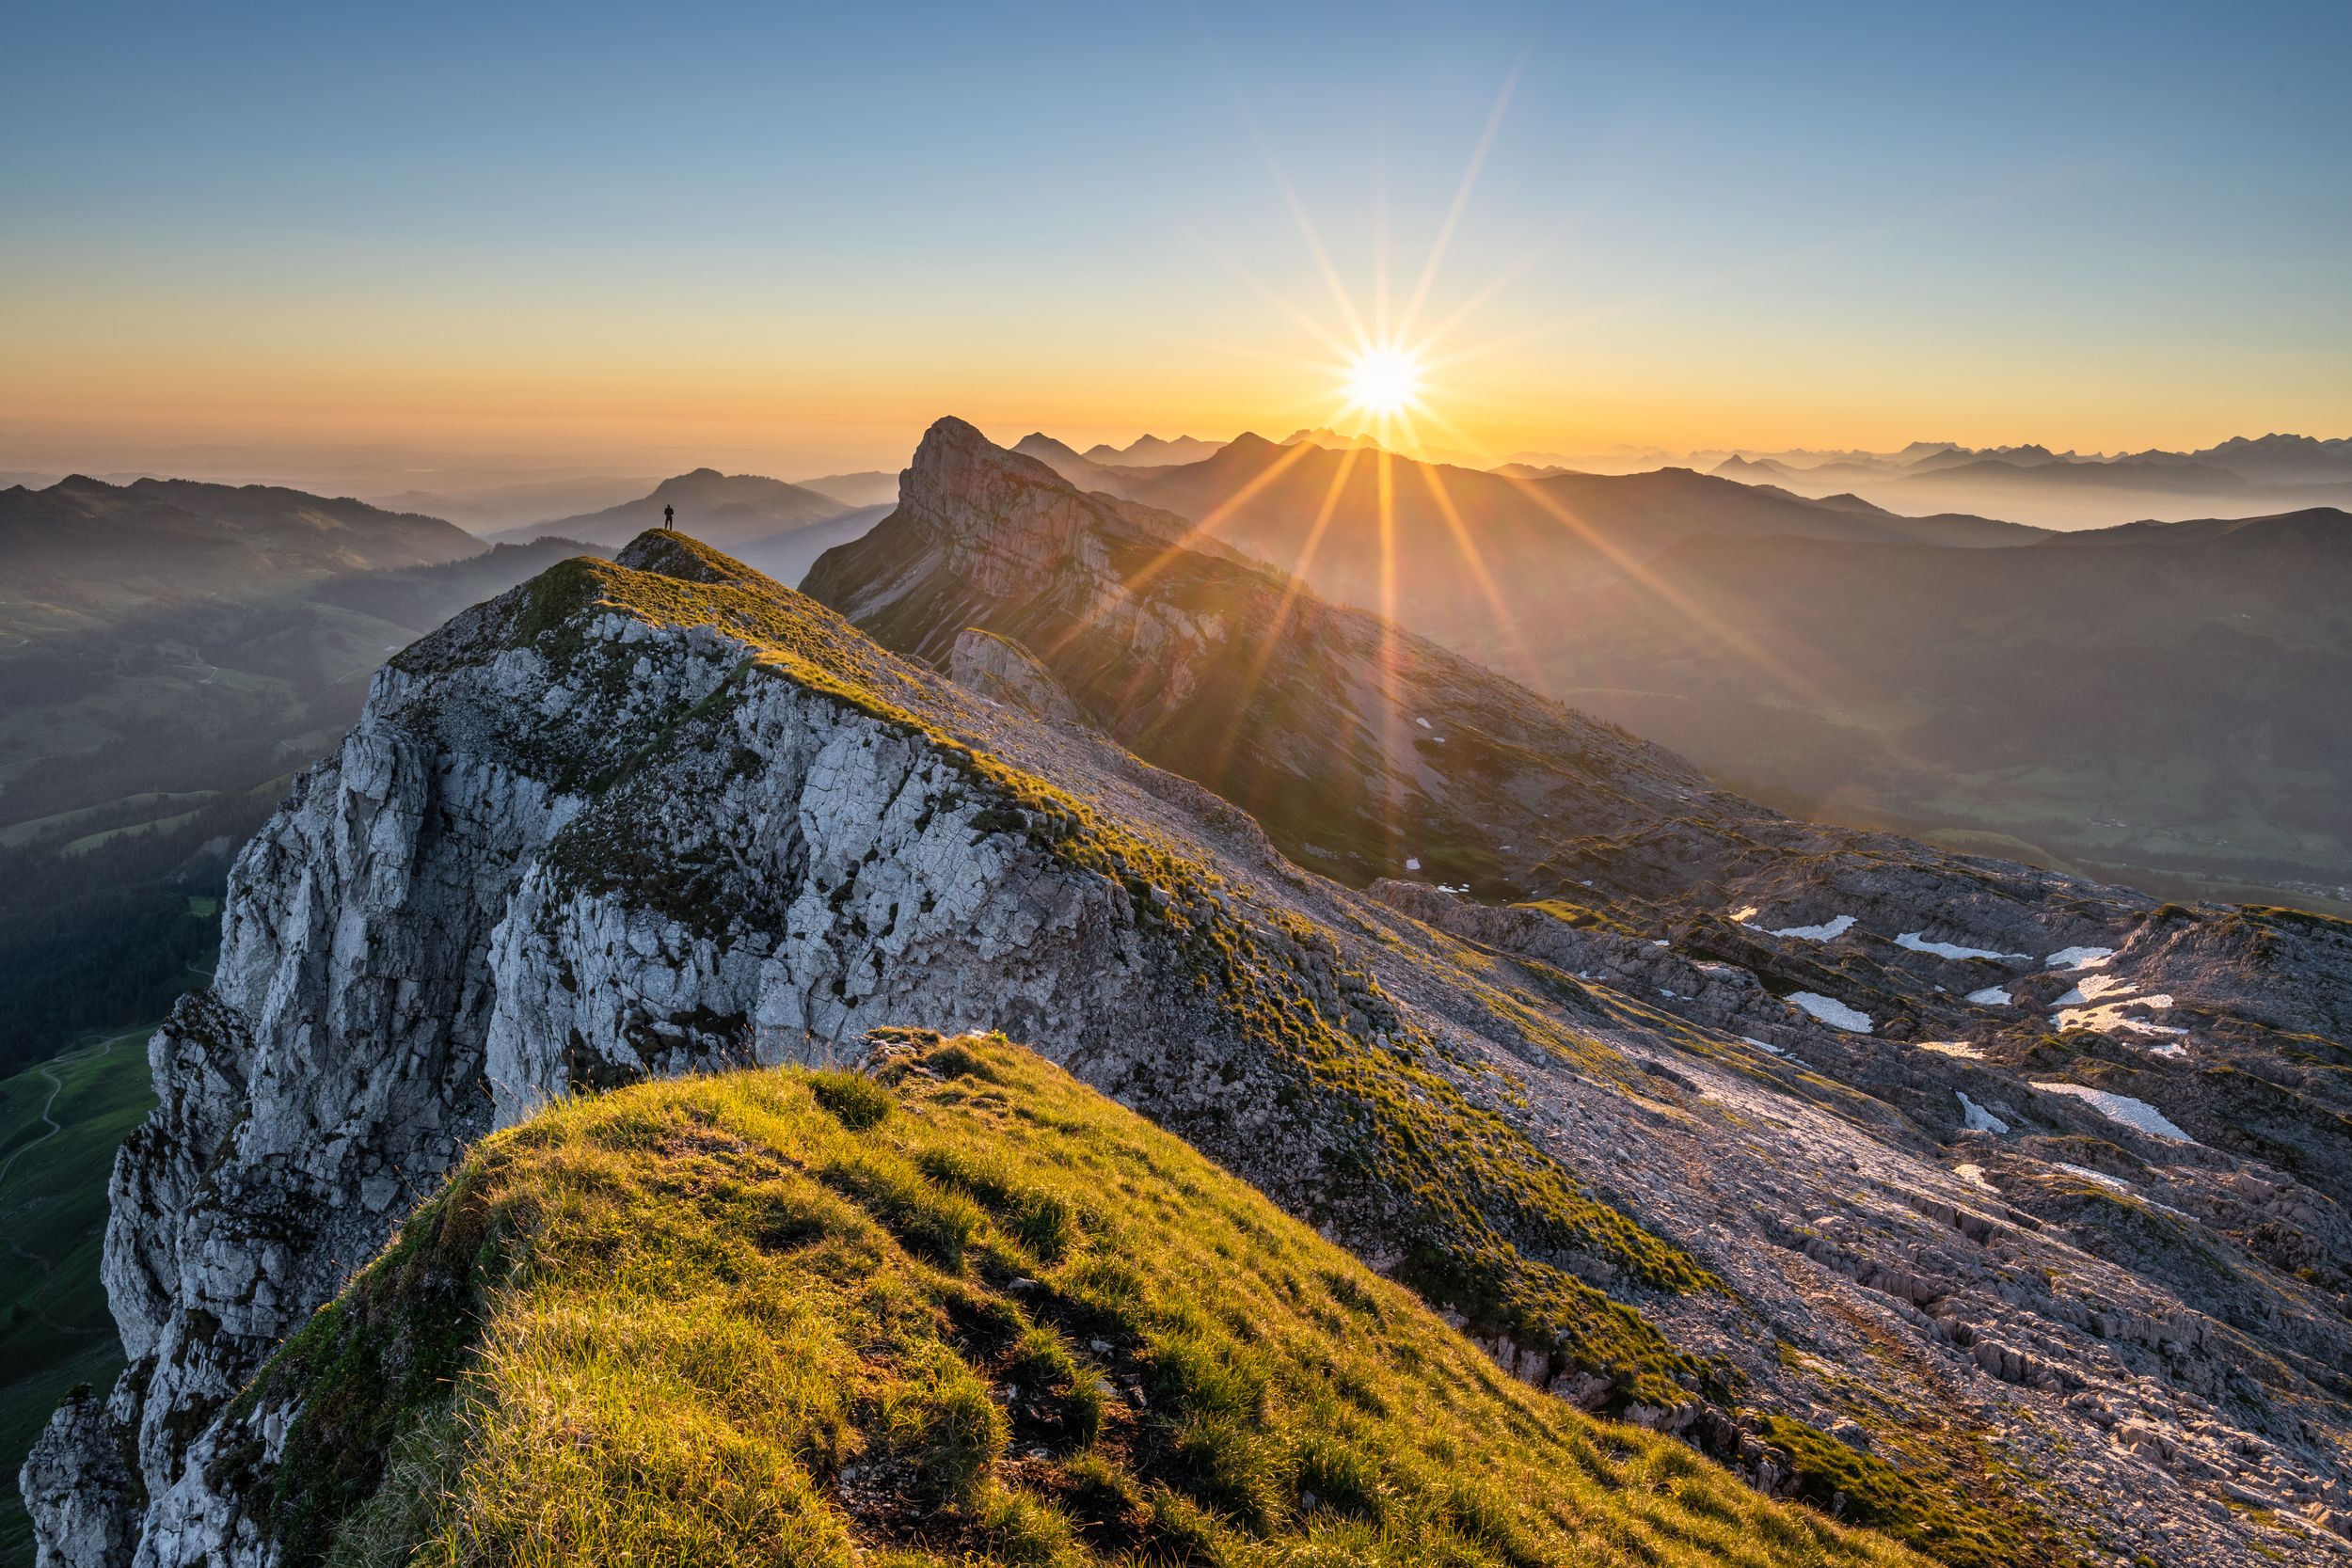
(2099, 1176)
(1950, 950)
(1744, 915)
(1953, 1047)
(1828, 930)
(1974, 1175)
(2094, 987)
(2080, 957)
(1991, 996)
(2081, 1008)
(1976, 1119)
(2123, 1108)
(1411, 863)
(1831, 1011)
(1424, 724)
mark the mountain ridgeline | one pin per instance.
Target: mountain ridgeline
(2164, 710)
(1995, 1211)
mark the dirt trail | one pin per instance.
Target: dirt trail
(56, 1088)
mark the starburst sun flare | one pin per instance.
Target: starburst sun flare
(1384, 380)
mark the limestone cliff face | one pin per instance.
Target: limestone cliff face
(659, 816)
(476, 905)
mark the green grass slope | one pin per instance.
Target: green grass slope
(59, 1123)
(961, 1310)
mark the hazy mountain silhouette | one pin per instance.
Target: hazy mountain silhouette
(1530, 539)
(727, 510)
(83, 548)
(2174, 697)
(1150, 452)
(867, 487)
(2068, 489)
(488, 507)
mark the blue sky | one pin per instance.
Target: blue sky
(805, 231)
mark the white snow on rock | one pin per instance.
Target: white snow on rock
(1411, 863)
(2080, 957)
(2123, 1108)
(2099, 1176)
(1991, 996)
(1950, 950)
(1831, 1011)
(1976, 1119)
(2110, 1016)
(1953, 1047)
(2094, 987)
(1424, 724)
(1744, 915)
(1828, 930)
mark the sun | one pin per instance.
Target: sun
(1384, 380)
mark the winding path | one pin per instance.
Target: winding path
(56, 1088)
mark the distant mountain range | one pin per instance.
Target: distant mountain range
(867, 487)
(1146, 452)
(778, 528)
(1836, 655)
(735, 509)
(1462, 551)
(2173, 698)
(81, 550)
(490, 508)
(2242, 477)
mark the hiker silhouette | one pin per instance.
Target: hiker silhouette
(668, 513)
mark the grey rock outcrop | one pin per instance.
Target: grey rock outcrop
(1003, 671)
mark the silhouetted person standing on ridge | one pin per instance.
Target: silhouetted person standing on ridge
(668, 513)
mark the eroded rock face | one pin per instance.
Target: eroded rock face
(666, 816)
(1003, 671)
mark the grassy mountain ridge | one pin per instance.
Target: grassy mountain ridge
(961, 1310)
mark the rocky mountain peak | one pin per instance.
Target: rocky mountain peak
(1006, 519)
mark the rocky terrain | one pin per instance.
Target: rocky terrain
(1999, 1211)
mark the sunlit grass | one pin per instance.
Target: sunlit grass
(967, 1311)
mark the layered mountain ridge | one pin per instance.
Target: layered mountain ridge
(1774, 1136)
(83, 549)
